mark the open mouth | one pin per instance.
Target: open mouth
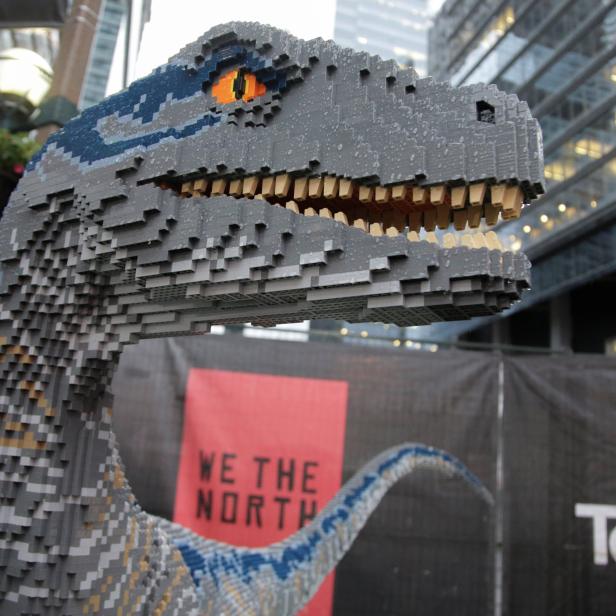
(402, 209)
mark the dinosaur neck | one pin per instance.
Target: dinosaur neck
(69, 502)
(286, 575)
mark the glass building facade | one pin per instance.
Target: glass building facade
(392, 29)
(560, 56)
(116, 16)
(42, 40)
(101, 56)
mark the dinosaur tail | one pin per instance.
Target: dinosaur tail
(281, 578)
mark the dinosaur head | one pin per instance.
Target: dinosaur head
(258, 177)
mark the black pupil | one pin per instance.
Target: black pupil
(239, 85)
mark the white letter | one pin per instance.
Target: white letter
(600, 515)
(612, 543)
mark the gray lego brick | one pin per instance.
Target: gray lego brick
(256, 177)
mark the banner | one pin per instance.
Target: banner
(560, 485)
(214, 429)
(260, 455)
(182, 404)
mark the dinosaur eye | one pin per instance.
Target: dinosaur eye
(237, 84)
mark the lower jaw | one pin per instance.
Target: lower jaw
(310, 268)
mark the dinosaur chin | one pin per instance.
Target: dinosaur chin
(334, 247)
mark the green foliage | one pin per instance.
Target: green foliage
(16, 149)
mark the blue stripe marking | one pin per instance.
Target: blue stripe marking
(245, 563)
(143, 99)
(192, 559)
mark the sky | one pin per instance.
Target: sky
(169, 30)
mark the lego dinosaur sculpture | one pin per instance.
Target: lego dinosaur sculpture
(255, 177)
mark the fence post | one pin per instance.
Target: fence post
(499, 521)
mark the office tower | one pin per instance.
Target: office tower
(560, 57)
(389, 28)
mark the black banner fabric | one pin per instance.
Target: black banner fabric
(560, 486)
(427, 547)
(537, 431)
(32, 13)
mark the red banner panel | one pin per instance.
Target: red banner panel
(260, 456)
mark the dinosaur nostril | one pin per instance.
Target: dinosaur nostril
(485, 112)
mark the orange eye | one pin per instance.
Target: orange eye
(235, 85)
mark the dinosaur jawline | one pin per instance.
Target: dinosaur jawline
(404, 208)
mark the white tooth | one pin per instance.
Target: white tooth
(449, 240)
(493, 242)
(260, 197)
(235, 188)
(431, 237)
(250, 186)
(186, 190)
(429, 219)
(330, 187)
(398, 192)
(478, 193)
(341, 217)
(291, 205)
(479, 241)
(315, 188)
(300, 191)
(512, 204)
(218, 187)
(517, 209)
(392, 231)
(460, 218)
(443, 217)
(382, 194)
(490, 213)
(497, 194)
(415, 217)
(366, 194)
(420, 195)
(474, 216)
(325, 213)
(310, 211)
(376, 229)
(412, 236)
(267, 186)
(282, 185)
(438, 194)
(467, 241)
(458, 197)
(345, 189)
(199, 187)
(360, 223)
